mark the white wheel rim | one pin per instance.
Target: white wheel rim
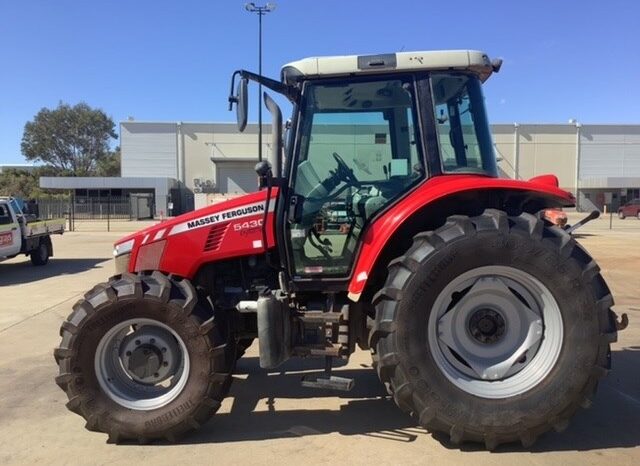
(114, 359)
(524, 332)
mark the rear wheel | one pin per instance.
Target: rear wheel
(142, 358)
(493, 329)
(40, 256)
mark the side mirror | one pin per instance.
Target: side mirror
(242, 101)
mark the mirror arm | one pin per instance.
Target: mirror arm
(290, 92)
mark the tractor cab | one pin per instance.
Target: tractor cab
(365, 131)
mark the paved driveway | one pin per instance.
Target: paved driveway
(269, 418)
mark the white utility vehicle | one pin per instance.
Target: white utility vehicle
(21, 233)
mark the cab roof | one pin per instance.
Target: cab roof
(348, 65)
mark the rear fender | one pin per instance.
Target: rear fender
(427, 208)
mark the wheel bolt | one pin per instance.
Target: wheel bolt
(156, 375)
(138, 342)
(128, 353)
(152, 341)
(164, 350)
(165, 364)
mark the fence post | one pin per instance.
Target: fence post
(109, 212)
(73, 210)
(610, 219)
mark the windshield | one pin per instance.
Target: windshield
(462, 126)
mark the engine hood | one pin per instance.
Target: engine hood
(182, 244)
(197, 218)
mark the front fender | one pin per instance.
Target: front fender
(537, 193)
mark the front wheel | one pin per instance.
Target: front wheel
(493, 329)
(621, 215)
(143, 358)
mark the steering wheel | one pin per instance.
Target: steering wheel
(344, 172)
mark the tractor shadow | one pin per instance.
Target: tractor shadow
(584, 235)
(258, 395)
(16, 273)
(263, 409)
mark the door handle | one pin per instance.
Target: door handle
(14, 229)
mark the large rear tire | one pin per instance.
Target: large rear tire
(143, 358)
(493, 329)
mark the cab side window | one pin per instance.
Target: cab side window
(5, 216)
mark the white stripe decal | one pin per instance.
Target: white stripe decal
(159, 234)
(223, 216)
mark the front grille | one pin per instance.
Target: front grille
(216, 234)
(149, 256)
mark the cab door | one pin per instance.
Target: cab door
(357, 152)
(10, 238)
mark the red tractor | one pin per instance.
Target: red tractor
(484, 321)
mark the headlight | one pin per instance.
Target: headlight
(123, 248)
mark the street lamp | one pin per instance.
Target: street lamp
(261, 11)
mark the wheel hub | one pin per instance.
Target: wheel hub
(487, 326)
(145, 362)
(149, 354)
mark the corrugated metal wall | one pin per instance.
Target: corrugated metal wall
(609, 151)
(610, 154)
(149, 149)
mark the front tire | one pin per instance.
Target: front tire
(493, 329)
(143, 358)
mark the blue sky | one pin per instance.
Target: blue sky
(171, 60)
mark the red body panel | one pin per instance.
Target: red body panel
(222, 231)
(379, 232)
(233, 228)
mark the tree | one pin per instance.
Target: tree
(72, 139)
(20, 183)
(24, 183)
(110, 165)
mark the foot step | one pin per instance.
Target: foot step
(342, 384)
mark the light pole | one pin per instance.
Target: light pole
(261, 11)
(578, 125)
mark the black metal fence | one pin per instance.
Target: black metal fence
(88, 213)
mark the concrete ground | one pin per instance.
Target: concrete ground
(269, 418)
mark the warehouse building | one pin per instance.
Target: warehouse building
(599, 162)
(204, 157)
(189, 165)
